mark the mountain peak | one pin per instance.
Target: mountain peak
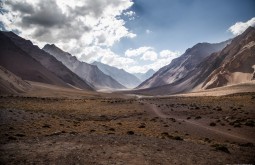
(50, 46)
(150, 70)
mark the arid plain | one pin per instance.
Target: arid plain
(57, 125)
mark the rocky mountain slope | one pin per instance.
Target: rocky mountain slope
(29, 62)
(238, 65)
(181, 66)
(87, 72)
(12, 84)
(123, 77)
(234, 64)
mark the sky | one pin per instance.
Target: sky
(134, 35)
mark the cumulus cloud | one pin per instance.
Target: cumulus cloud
(169, 54)
(129, 13)
(137, 52)
(150, 55)
(85, 28)
(154, 60)
(240, 27)
(72, 24)
(96, 53)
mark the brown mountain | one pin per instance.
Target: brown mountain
(12, 84)
(238, 64)
(29, 62)
(181, 66)
(88, 72)
(234, 64)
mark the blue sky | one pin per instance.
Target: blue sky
(179, 24)
(135, 35)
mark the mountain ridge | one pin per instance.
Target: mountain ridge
(211, 66)
(180, 66)
(126, 79)
(87, 72)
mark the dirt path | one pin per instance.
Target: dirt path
(197, 125)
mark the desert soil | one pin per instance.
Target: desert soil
(101, 129)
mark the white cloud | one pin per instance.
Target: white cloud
(129, 13)
(150, 55)
(154, 61)
(169, 54)
(240, 27)
(79, 23)
(96, 53)
(85, 28)
(137, 52)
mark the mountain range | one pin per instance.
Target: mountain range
(87, 72)
(126, 79)
(181, 66)
(29, 62)
(233, 64)
(202, 67)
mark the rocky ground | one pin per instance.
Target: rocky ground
(127, 130)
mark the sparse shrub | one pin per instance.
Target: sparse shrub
(207, 140)
(73, 133)
(221, 147)
(198, 117)
(142, 125)
(177, 138)
(20, 135)
(130, 132)
(46, 126)
(212, 124)
(250, 123)
(12, 138)
(247, 145)
(237, 124)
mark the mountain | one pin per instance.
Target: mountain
(12, 84)
(29, 62)
(145, 76)
(123, 77)
(232, 65)
(238, 64)
(19, 62)
(87, 72)
(181, 66)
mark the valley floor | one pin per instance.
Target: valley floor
(54, 125)
(105, 129)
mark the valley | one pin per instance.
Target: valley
(63, 126)
(131, 104)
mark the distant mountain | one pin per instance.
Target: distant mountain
(234, 64)
(87, 72)
(123, 77)
(12, 84)
(181, 66)
(145, 76)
